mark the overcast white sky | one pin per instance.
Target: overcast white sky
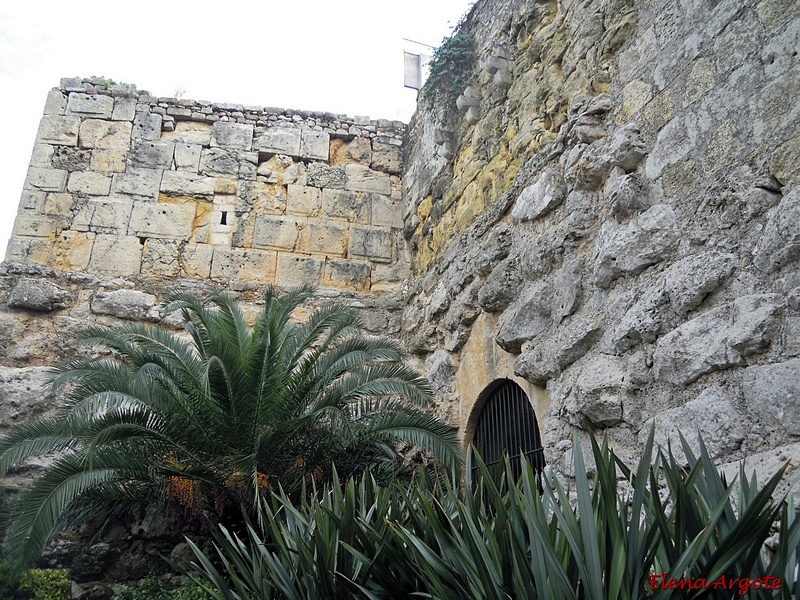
(344, 57)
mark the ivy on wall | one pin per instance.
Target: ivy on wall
(452, 68)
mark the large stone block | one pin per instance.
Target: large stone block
(104, 215)
(294, 270)
(374, 243)
(255, 266)
(109, 159)
(37, 294)
(772, 391)
(527, 318)
(282, 233)
(359, 178)
(42, 226)
(233, 136)
(541, 197)
(141, 183)
(116, 255)
(314, 145)
(386, 211)
(89, 183)
(718, 339)
(90, 105)
(72, 251)
(598, 397)
(189, 132)
(59, 131)
(303, 200)
(501, 287)
(124, 109)
(146, 154)
(327, 237)
(46, 180)
(168, 258)
(146, 126)
(220, 162)
(162, 220)
(187, 157)
(109, 135)
(631, 248)
(780, 243)
(175, 183)
(56, 103)
(347, 275)
(125, 304)
(345, 205)
(387, 157)
(279, 141)
(324, 176)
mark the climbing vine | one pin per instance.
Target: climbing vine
(452, 68)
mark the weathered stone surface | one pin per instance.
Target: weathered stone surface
(501, 287)
(146, 126)
(387, 157)
(37, 226)
(104, 215)
(58, 130)
(675, 141)
(324, 176)
(187, 157)
(624, 149)
(46, 180)
(783, 165)
(152, 155)
(625, 194)
(108, 135)
(37, 294)
(124, 108)
(90, 105)
(115, 255)
(294, 270)
(386, 211)
(374, 243)
(440, 371)
(711, 415)
(142, 183)
(109, 159)
(347, 275)
(69, 158)
(359, 178)
(345, 205)
(567, 288)
(597, 395)
(257, 266)
(528, 317)
(24, 394)
(327, 237)
(279, 141)
(72, 251)
(161, 220)
(780, 242)
(174, 183)
(125, 304)
(188, 132)
(631, 248)
(233, 136)
(303, 200)
(772, 391)
(718, 339)
(314, 145)
(169, 258)
(281, 233)
(56, 103)
(88, 183)
(537, 199)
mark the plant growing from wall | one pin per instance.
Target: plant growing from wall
(451, 69)
(213, 423)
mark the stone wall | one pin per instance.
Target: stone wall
(617, 208)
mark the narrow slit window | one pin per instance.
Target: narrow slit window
(224, 219)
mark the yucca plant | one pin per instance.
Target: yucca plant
(219, 420)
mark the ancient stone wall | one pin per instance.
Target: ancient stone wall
(617, 208)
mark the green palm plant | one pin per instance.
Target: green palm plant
(216, 421)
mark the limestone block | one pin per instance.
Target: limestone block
(294, 270)
(256, 266)
(690, 280)
(598, 397)
(72, 251)
(116, 255)
(109, 159)
(46, 180)
(187, 157)
(359, 178)
(303, 200)
(711, 414)
(324, 176)
(178, 183)
(527, 318)
(147, 154)
(386, 211)
(109, 135)
(675, 141)
(348, 206)
(624, 149)
(42, 156)
(374, 243)
(37, 294)
(24, 394)
(636, 95)
(356, 150)
(59, 131)
(784, 165)
(279, 141)
(537, 199)
(628, 249)
(780, 243)
(89, 183)
(282, 233)
(167, 258)
(146, 126)
(347, 275)
(125, 304)
(141, 183)
(643, 321)
(327, 237)
(189, 132)
(233, 136)
(771, 393)
(314, 145)
(56, 103)
(718, 339)
(626, 195)
(501, 287)
(31, 201)
(124, 108)
(219, 162)
(161, 220)
(387, 157)
(90, 105)
(58, 205)
(104, 215)
(567, 288)
(29, 225)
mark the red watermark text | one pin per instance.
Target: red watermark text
(742, 585)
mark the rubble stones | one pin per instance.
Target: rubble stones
(125, 304)
(37, 294)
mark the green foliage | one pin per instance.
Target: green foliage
(10, 577)
(451, 69)
(505, 538)
(151, 588)
(45, 584)
(218, 421)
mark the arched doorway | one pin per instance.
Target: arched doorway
(507, 424)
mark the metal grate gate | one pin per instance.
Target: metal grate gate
(507, 424)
